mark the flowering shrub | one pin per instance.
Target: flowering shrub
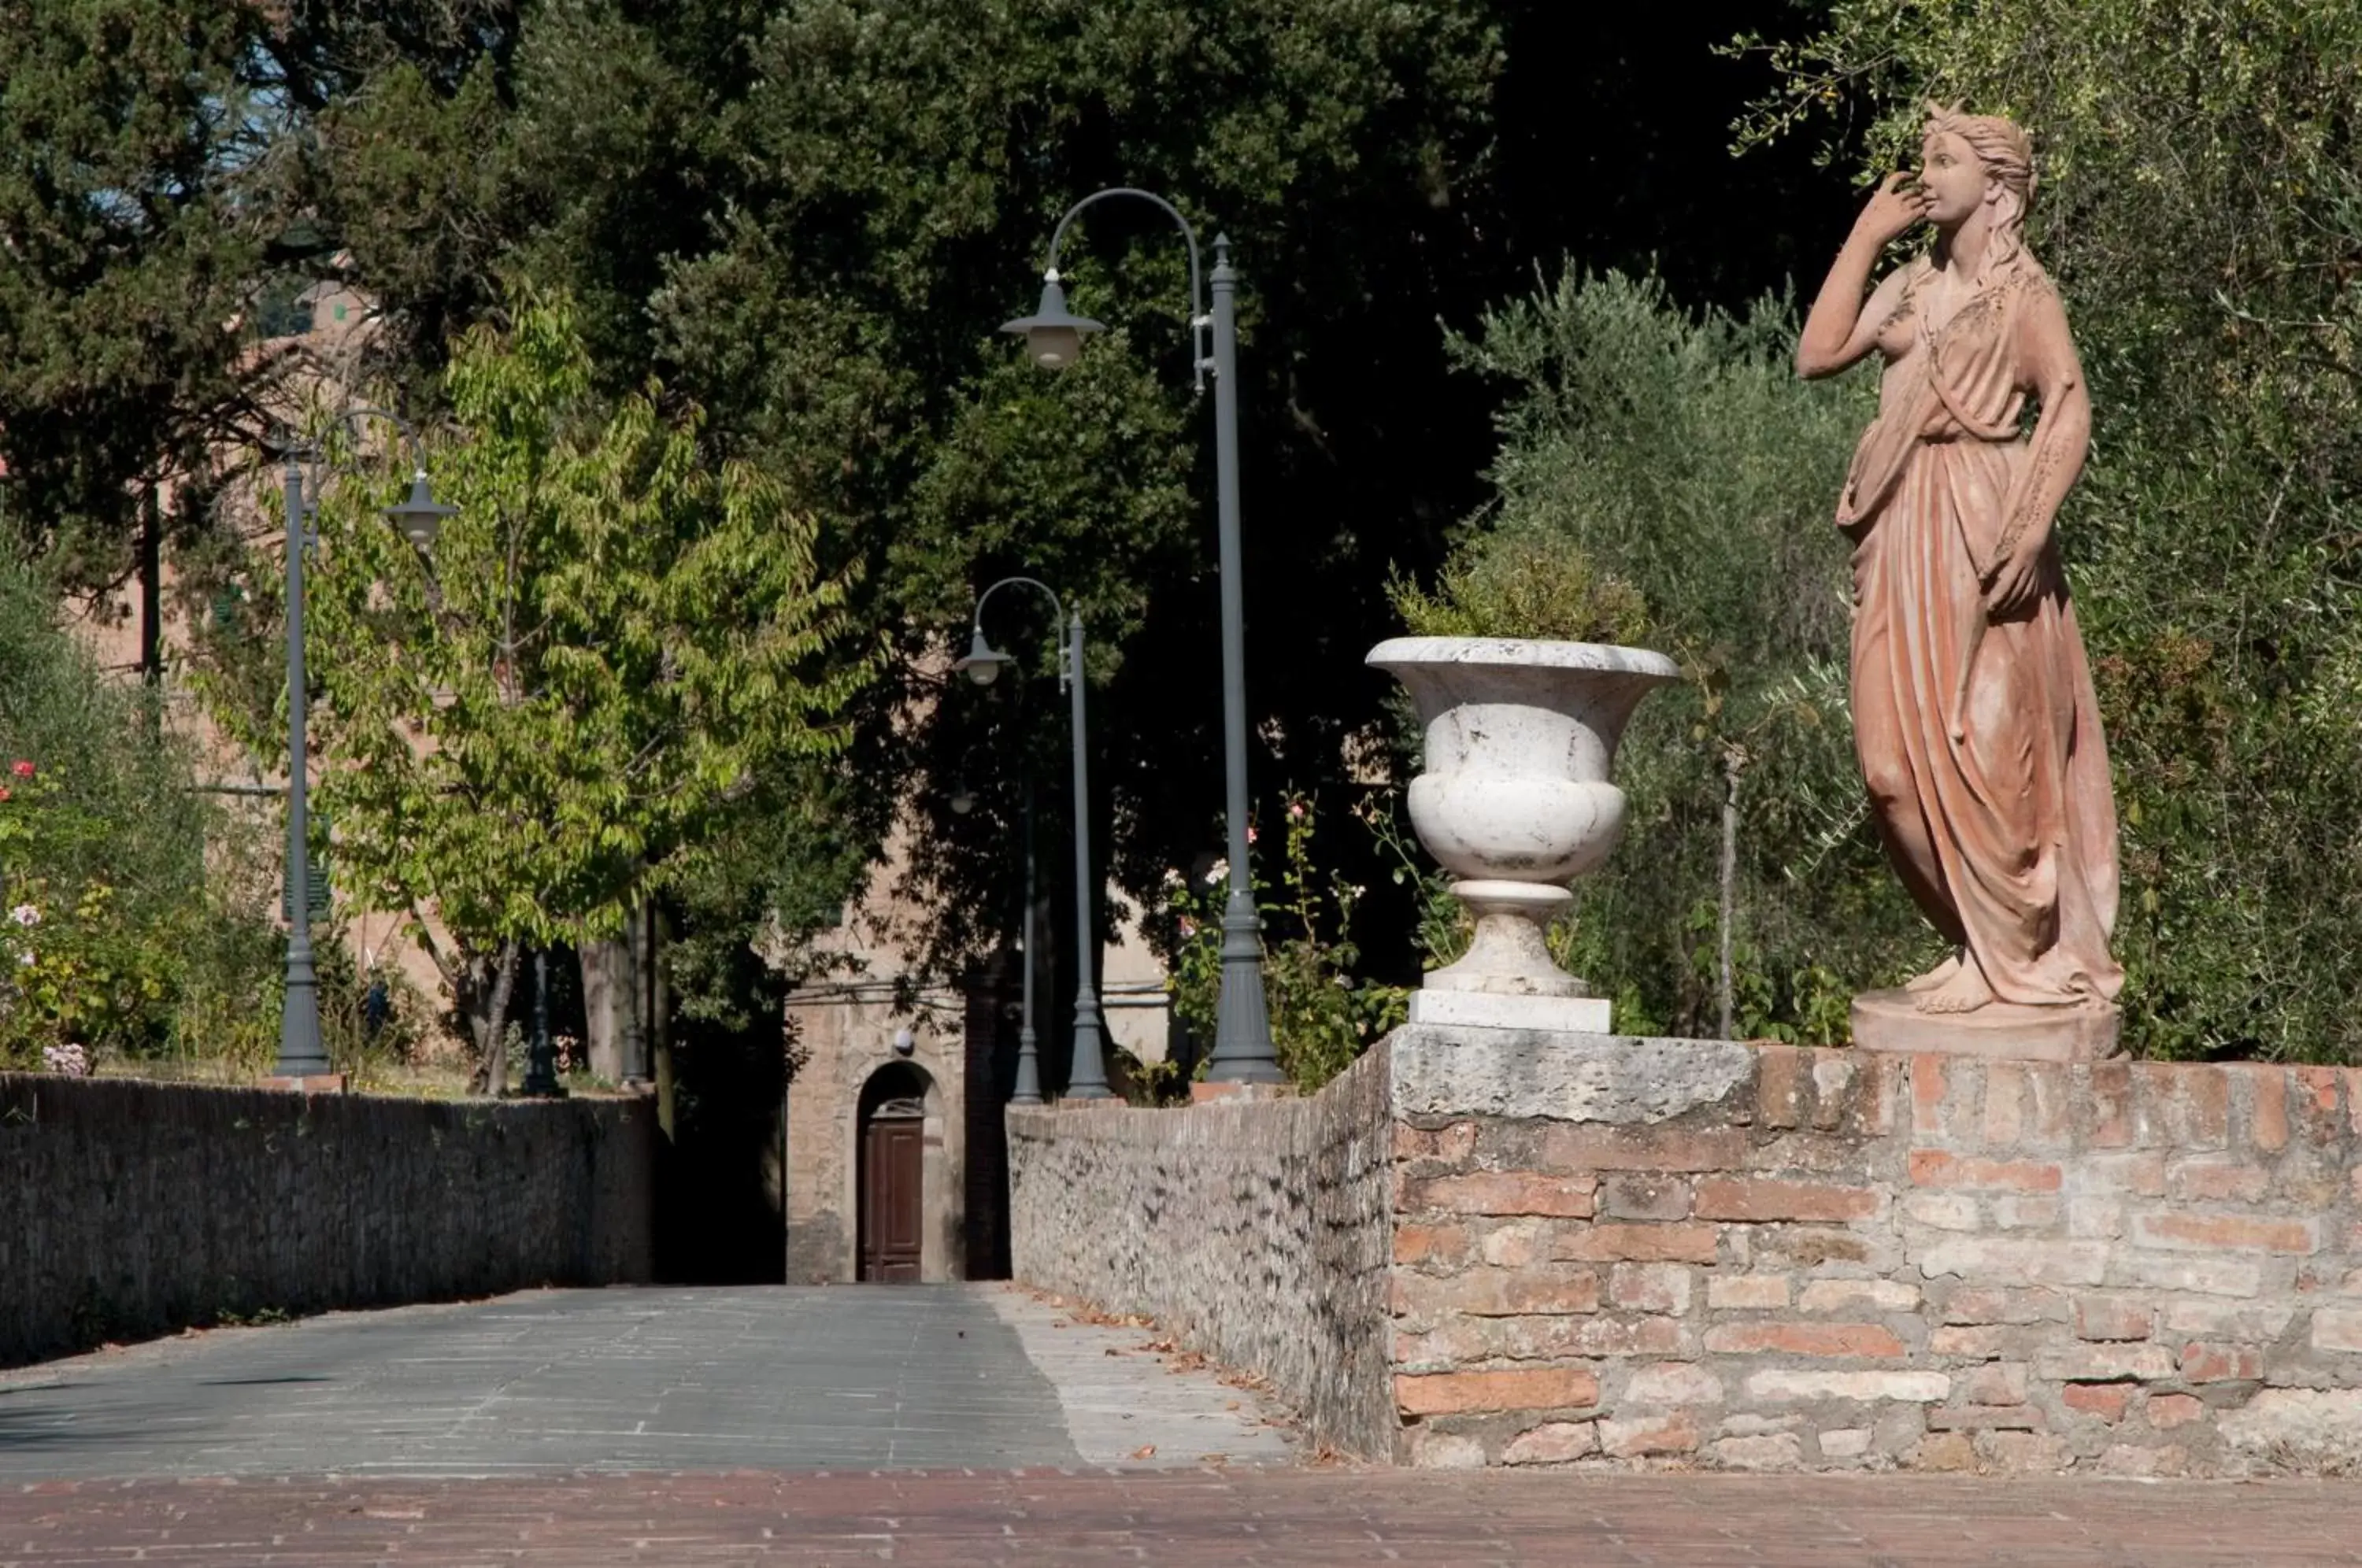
(1322, 1016)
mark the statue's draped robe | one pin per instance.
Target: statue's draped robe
(2005, 836)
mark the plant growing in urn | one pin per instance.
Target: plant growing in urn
(1523, 687)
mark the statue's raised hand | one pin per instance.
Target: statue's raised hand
(1894, 207)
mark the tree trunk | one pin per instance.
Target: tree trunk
(606, 996)
(490, 1024)
(659, 999)
(1734, 762)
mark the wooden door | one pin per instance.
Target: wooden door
(891, 1165)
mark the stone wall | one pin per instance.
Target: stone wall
(1256, 1230)
(130, 1208)
(1644, 1253)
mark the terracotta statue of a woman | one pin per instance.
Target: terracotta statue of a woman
(1972, 703)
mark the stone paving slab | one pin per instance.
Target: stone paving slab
(1232, 1516)
(568, 1381)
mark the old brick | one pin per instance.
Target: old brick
(1779, 1087)
(2129, 1459)
(2200, 1319)
(1937, 1168)
(1621, 1336)
(2203, 1276)
(2021, 1452)
(1514, 1244)
(1416, 1245)
(2020, 1417)
(2206, 1104)
(2095, 1217)
(2216, 1178)
(1995, 1383)
(1991, 1303)
(2268, 1122)
(2037, 1262)
(2105, 1401)
(1672, 1383)
(2110, 1106)
(1490, 1292)
(1859, 1295)
(1637, 1195)
(1638, 1243)
(2051, 1086)
(1867, 1340)
(1927, 1085)
(1770, 1450)
(1845, 1442)
(1538, 1388)
(2209, 1232)
(1944, 1210)
(1553, 1442)
(2337, 1329)
(1804, 1246)
(1582, 1146)
(2024, 1212)
(1745, 1292)
(2112, 1317)
(1647, 1435)
(1505, 1192)
(2316, 1104)
(2167, 1411)
(2004, 1117)
(2102, 1363)
(1834, 1077)
(1982, 1342)
(2204, 1362)
(1763, 1198)
(1649, 1286)
(2140, 1174)
(1790, 1385)
(1434, 1450)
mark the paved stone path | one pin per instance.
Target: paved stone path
(1177, 1519)
(562, 1381)
(971, 1425)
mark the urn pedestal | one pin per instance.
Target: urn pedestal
(1516, 802)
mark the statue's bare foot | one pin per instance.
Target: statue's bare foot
(1964, 990)
(1937, 976)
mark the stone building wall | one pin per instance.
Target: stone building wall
(1641, 1253)
(130, 1208)
(1258, 1230)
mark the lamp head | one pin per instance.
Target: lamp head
(421, 514)
(983, 662)
(1053, 334)
(963, 798)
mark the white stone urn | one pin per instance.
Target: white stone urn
(1516, 802)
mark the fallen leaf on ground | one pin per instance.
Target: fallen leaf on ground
(1144, 1450)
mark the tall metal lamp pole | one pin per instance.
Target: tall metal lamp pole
(301, 1052)
(1086, 1077)
(1053, 337)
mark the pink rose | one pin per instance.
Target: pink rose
(22, 769)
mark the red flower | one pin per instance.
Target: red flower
(4, 792)
(22, 770)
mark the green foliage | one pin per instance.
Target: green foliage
(117, 929)
(1522, 585)
(1678, 454)
(128, 149)
(2200, 207)
(614, 639)
(1323, 1016)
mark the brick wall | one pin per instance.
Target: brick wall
(1646, 1252)
(130, 1208)
(1257, 1231)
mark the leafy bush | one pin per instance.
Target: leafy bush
(123, 886)
(1522, 585)
(1676, 458)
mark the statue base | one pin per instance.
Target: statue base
(1887, 1021)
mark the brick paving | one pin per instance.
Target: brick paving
(1179, 1517)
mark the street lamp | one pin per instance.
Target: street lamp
(1086, 1077)
(301, 1054)
(1053, 337)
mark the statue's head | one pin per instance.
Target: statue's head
(1973, 161)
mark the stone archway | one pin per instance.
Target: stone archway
(891, 1175)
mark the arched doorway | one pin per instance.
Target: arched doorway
(891, 1158)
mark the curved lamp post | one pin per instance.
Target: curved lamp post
(1086, 1077)
(1053, 337)
(301, 1054)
